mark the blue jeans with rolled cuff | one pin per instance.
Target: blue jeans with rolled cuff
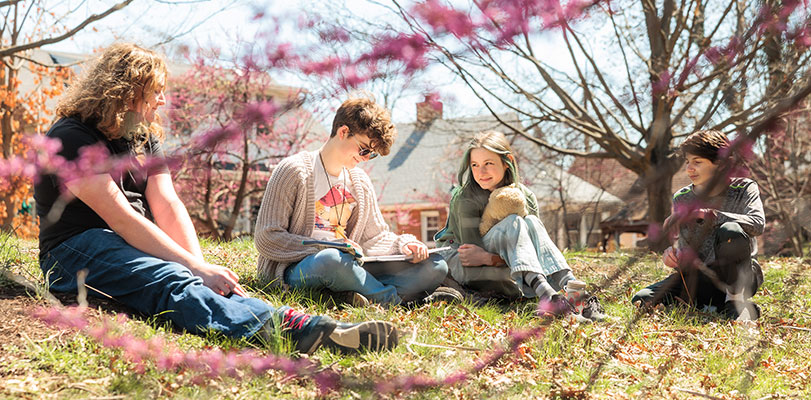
(525, 246)
(150, 285)
(390, 282)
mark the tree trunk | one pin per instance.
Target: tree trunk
(658, 183)
(6, 125)
(11, 211)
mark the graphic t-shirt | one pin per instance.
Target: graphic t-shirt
(334, 202)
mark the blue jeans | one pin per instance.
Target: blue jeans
(150, 285)
(383, 282)
(526, 247)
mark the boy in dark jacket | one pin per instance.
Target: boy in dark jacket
(714, 257)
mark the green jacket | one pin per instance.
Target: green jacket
(465, 213)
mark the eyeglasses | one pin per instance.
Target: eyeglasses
(364, 151)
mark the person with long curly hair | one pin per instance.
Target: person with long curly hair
(130, 231)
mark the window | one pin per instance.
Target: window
(429, 225)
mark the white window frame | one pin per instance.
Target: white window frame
(424, 225)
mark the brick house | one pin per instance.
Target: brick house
(414, 181)
(627, 227)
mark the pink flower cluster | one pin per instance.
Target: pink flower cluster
(166, 356)
(41, 155)
(214, 363)
(499, 19)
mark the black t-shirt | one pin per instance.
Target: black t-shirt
(74, 217)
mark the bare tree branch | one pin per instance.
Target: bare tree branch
(8, 51)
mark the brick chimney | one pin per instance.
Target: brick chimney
(429, 110)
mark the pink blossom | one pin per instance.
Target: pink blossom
(410, 49)
(165, 356)
(444, 19)
(334, 34)
(323, 67)
(280, 55)
(263, 112)
(661, 84)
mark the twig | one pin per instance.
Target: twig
(706, 396)
(444, 346)
(661, 331)
(413, 341)
(28, 339)
(20, 280)
(683, 282)
(49, 338)
(794, 327)
(99, 291)
(82, 387)
(81, 298)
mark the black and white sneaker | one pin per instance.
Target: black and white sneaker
(446, 294)
(310, 332)
(593, 310)
(558, 306)
(362, 336)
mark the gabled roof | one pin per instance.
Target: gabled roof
(623, 183)
(547, 179)
(422, 164)
(424, 160)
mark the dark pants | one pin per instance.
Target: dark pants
(733, 268)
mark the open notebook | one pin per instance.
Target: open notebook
(359, 254)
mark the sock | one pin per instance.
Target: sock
(539, 284)
(565, 276)
(734, 297)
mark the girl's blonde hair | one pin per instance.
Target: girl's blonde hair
(123, 75)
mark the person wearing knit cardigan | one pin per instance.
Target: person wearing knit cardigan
(324, 195)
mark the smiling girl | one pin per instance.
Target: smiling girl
(515, 257)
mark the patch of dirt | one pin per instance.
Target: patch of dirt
(18, 325)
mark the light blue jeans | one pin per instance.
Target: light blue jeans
(525, 246)
(150, 285)
(382, 282)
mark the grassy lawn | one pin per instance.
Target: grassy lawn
(669, 353)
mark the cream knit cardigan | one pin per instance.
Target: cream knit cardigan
(287, 217)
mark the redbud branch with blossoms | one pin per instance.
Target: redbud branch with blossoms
(411, 51)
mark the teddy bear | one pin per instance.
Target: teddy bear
(503, 201)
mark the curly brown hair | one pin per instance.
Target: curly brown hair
(365, 117)
(121, 76)
(705, 143)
